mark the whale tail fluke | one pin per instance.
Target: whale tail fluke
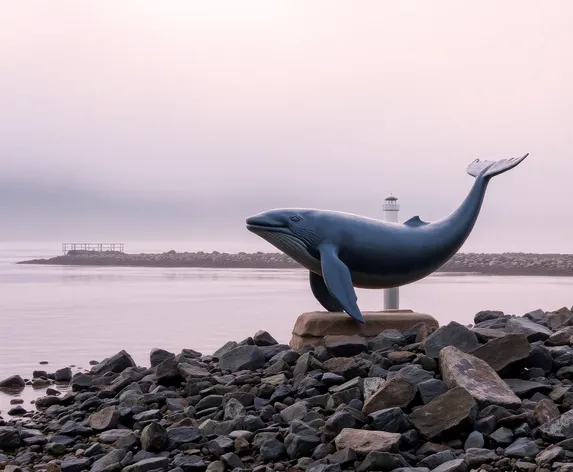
(488, 169)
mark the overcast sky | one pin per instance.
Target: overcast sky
(178, 119)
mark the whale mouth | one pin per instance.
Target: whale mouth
(259, 224)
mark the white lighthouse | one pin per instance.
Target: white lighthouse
(391, 209)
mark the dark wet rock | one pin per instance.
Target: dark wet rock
(533, 331)
(502, 436)
(452, 334)
(18, 410)
(301, 445)
(117, 363)
(477, 377)
(263, 338)
(245, 357)
(486, 315)
(272, 450)
(9, 438)
(450, 411)
(526, 388)
(391, 420)
(380, 461)
(81, 382)
(154, 437)
(503, 352)
(15, 381)
(431, 389)
(157, 356)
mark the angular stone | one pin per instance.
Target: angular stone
(453, 334)
(157, 356)
(397, 392)
(476, 457)
(457, 465)
(502, 352)
(75, 465)
(561, 337)
(301, 445)
(106, 418)
(559, 428)
(154, 438)
(148, 465)
(454, 409)
(414, 373)
(9, 438)
(363, 441)
(117, 363)
(371, 385)
(545, 411)
(431, 389)
(380, 461)
(245, 357)
(477, 377)
(391, 420)
(546, 457)
(191, 372)
(485, 335)
(272, 450)
(526, 388)
(312, 327)
(522, 448)
(558, 318)
(263, 338)
(63, 375)
(533, 331)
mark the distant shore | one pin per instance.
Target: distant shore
(515, 264)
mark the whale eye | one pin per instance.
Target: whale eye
(295, 218)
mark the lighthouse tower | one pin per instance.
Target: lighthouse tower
(391, 209)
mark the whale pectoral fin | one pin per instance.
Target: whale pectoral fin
(321, 293)
(415, 221)
(339, 282)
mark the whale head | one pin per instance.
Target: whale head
(294, 232)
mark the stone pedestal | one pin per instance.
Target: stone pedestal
(312, 327)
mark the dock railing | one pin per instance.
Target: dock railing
(98, 247)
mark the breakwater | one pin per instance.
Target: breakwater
(496, 396)
(478, 263)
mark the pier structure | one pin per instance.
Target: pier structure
(97, 247)
(391, 209)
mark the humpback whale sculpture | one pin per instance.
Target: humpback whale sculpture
(342, 251)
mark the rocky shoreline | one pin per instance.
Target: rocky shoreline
(496, 396)
(477, 263)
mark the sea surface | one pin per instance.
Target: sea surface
(72, 315)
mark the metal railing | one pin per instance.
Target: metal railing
(99, 247)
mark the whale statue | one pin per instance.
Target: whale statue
(342, 250)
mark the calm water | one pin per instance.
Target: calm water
(71, 315)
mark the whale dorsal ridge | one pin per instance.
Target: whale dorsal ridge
(415, 221)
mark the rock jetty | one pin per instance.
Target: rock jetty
(478, 263)
(496, 396)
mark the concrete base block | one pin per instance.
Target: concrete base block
(312, 327)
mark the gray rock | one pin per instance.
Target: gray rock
(414, 373)
(502, 353)
(263, 338)
(363, 441)
(370, 385)
(189, 463)
(75, 465)
(148, 465)
(559, 428)
(106, 418)
(300, 445)
(452, 334)
(391, 420)
(63, 375)
(15, 381)
(522, 448)
(179, 436)
(154, 438)
(437, 459)
(232, 461)
(221, 445)
(502, 436)
(245, 357)
(526, 388)
(112, 458)
(338, 421)
(475, 440)
(431, 389)
(71, 428)
(457, 465)
(81, 382)
(477, 377)
(380, 461)
(476, 457)
(157, 356)
(561, 337)
(533, 331)
(234, 410)
(112, 435)
(117, 363)
(296, 411)
(546, 457)
(486, 315)
(450, 411)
